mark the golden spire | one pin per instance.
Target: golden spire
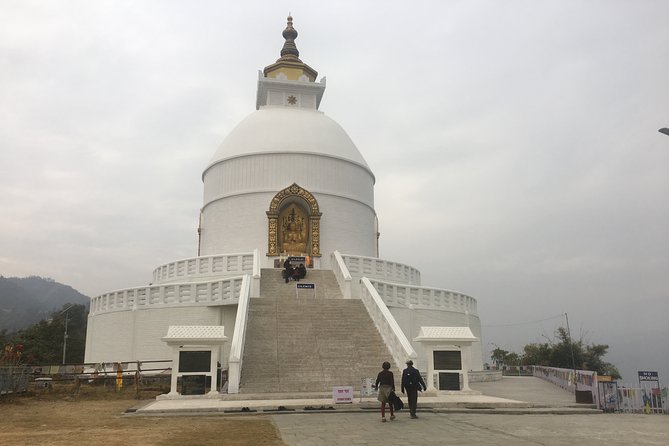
(289, 64)
(289, 50)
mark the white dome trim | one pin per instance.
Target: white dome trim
(253, 192)
(364, 166)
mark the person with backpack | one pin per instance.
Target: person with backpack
(413, 383)
(385, 383)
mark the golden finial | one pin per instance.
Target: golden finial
(289, 63)
(289, 49)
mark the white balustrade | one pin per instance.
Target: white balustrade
(375, 268)
(394, 294)
(216, 292)
(200, 267)
(399, 346)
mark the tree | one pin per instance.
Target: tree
(43, 342)
(563, 352)
(536, 354)
(513, 359)
(498, 357)
(4, 336)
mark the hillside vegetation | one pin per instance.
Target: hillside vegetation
(25, 301)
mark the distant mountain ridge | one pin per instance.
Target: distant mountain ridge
(27, 300)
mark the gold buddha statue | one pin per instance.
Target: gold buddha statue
(294, 240)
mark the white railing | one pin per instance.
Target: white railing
(341, 274)
(375, 268)
(215, 292)
(238, 337)
(394, 294)
(200, 267)
(630, 399)
(569, 379)
(393, 336)
(255, 279)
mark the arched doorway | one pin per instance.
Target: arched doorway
(293, 223)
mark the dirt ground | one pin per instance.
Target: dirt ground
(64, 420)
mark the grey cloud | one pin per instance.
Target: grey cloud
(515, 145)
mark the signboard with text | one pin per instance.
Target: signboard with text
(342, 394)
(304, 286)
(652, 394)
(648, 376)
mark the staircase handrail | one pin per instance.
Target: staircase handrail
(256, 263)
(342, 274)
(238, 337)
(395, 339)
(255, 284)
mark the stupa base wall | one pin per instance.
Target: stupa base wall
(135, 335)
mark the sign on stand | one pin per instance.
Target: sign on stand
(304, 286)
(367, 388)
(652, 394)
(648, 376)
(342, 394)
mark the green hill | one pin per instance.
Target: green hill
(25, 301)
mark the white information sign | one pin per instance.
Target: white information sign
(342, 394)
(367, 387)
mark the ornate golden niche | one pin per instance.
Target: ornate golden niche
(293, 223)
(294, 233)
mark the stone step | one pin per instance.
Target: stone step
(307, 344)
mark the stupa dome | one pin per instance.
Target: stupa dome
(276, 129)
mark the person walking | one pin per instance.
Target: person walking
(412, 382)
(385, 383)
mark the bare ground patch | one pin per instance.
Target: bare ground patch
(58, 420)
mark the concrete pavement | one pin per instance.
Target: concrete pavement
(432, 429)
(544, 415)
(534, 391)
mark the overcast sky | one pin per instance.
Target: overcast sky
(514, 144)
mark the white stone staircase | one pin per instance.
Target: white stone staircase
(306, 343)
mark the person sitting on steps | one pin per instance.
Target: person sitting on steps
(288, 270)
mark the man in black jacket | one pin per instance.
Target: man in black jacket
(413, 383)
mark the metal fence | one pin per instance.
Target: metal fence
(625, 399)
(608, 395)
(135, 376)
(14, 378)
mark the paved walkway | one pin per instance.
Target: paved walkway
(451, 419)
(528, 389)
(432, 429)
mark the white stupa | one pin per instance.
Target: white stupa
(286, 182)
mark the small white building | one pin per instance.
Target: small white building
(287, 180)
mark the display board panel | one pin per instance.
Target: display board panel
(194, 361)
(447, 360)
